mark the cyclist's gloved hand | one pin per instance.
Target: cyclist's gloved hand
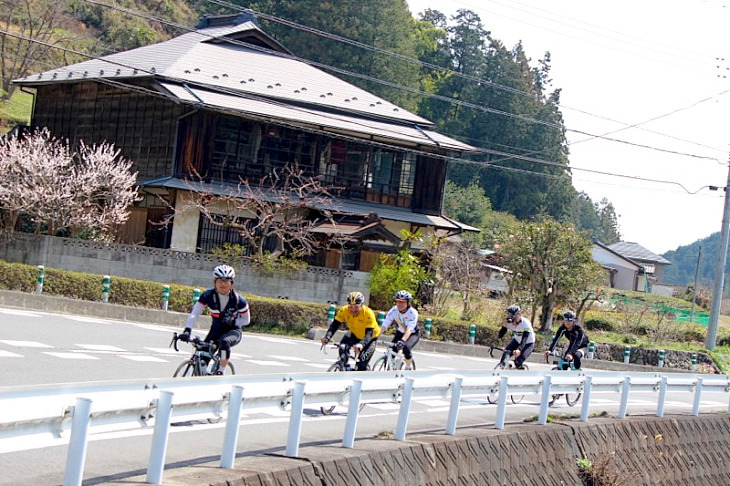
(357, 348)
(400, 345)
(185, 336)
(325, 340)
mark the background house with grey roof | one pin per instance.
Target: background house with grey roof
(621, 272)
(226, 102)
(633, 267)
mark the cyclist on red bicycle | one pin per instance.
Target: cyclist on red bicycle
(363, 325)
(229, 311)
(578, 345)
(406, 319)
(523, 337)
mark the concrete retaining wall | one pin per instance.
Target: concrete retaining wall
(671, 451)
(315, 284)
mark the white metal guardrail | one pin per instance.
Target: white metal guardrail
(76, 409)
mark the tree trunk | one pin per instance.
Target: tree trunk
(546, 316)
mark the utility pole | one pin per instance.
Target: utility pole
(694, 289)
(719, 271)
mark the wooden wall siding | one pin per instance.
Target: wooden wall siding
(429, 184)
(195, 137)
(142, 126)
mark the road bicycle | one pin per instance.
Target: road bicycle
(392, 360)
(505, 363)
(204, 361)
(345, 362)
(562, 364)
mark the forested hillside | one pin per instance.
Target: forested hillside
(449, 70)
(684, 263)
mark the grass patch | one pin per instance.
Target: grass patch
(16, 110)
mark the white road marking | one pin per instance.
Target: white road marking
(25, 344)
(287, 358)
(273, 340)
(266, 363)
(18, 312)
(101, 347)
(137, 357)
(71, 355)
(164, 351)
(90, 319)
(8, 354)
(317, 365)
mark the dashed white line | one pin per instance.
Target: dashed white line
(71, 355)
(25, 344)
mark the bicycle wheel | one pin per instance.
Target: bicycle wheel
(518, 398)
(554, 398)
(380, 364)
(492, 397)
(186, 368)
(572, 398)
(328, 410)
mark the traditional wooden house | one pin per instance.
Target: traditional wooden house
(226, 102)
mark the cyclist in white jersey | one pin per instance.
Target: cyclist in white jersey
(406, 319)
(523, 336)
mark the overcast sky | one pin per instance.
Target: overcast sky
(649, 64)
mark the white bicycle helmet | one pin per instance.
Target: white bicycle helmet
(224, 271)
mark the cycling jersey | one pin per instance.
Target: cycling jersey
(406, 321)
(577, 337)
(521, 331)
(360, 323)
(227, 312)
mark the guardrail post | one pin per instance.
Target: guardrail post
(39, 280)
(159, 438)
(427, 330)
(454, 409)
(472, 333)
(501, 403)
(627, 354)
(106, 287)
(660, 362)
(235, 399)
(544, 400)
(381, 318)
(165, 297)
(624, 397)
(585, 405)
(196, 296)
(405, 409)
(698, 397)
(331, 314)
(76, 455)
(295, 422)
(694, 362)
(348, 440)
(591, 349)
(662, 397)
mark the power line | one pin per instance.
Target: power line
(452, 159)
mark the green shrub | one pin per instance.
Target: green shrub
(601, 321)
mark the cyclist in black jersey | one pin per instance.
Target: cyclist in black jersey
(228, 309)
(578, 345)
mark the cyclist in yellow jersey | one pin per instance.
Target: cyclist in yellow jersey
(364, 328)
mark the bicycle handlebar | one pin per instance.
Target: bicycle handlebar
(492, 349)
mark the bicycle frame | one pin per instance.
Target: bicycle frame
(205, 359)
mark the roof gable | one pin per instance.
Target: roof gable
(213, 57)
(635, 251)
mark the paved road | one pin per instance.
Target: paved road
(41, 348)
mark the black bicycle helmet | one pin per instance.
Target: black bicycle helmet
(355, 298)
(569, 316)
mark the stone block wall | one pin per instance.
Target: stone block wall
(637, 451)
(315, 284)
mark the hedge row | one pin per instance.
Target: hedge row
(275, 315)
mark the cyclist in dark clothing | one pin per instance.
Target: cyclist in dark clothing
(578, 345)
(228, 309)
